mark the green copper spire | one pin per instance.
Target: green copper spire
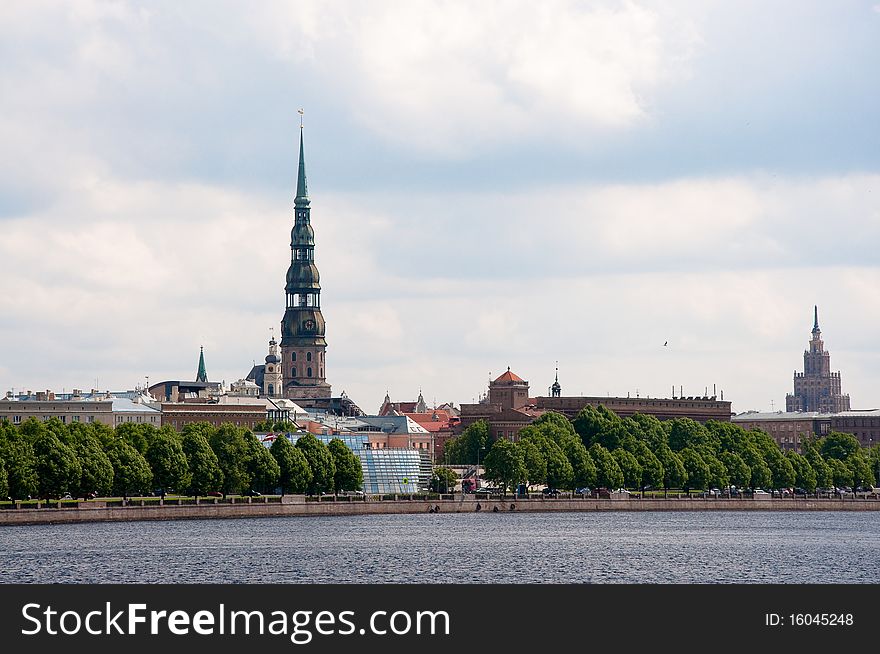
(302, 191)
(202, 376)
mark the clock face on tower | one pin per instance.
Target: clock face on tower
(309, 325)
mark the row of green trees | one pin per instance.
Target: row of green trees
(598, 448)
(51, 459)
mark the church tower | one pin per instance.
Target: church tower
(272, 379)
(817, 388)
(302, 328)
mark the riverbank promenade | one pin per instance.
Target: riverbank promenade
(66, 511)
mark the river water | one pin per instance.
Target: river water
(630, 547)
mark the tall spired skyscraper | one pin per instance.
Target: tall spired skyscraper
(302, 329)
(817, 388)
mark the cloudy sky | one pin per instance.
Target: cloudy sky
(492, 185)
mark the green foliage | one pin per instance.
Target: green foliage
(761, 477)
(262, 469)
(21, 465)
(203, 465)
(320, 463)
(651, 432)
(504, 464)
(534, 460)
(718, 476)
(695, 468)
(471, 446)
(824, 478)
(804, 475)
(4, 481)
(294, 472)
(443, 480)
(862, 473)
(685, 432)
(582, 467)
(652, 469)
(349, 473)
(138, 435)
(599, 425)
(167, 461)
(608, 473)
(841, 474)
(782, 473)
(838, 446)
(131, 472)
(560, 473)
(57, 466)
(96, 470)
(233, 456)
(674, 473)
(629, 467)
(739, 473)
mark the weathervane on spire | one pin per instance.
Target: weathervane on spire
(300, 112)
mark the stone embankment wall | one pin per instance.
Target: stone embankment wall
(294, 505)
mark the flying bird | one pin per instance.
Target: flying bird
(665, 343)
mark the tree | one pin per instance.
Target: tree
(861, 470)
(696, 469)
(651, 432)
(598, 425)
(471, 446)
(57, 466)
(294, 472)
(534, 460)
(504, 464)
(652, 469)
(233, 455)
(136, 434)
(167, 461)
(349, 473)
(560, 473)
(718, 476)
(782, 473)
(582, 466)
(629, 467)
(4, 481)
(761, 475)
(685, 432)
(804, 475)
(204, 468)
(820, 467)
(738, 471)
(320, 463)
(674, 474)
(261, 468)
(131, 472)
(96, 474)
(443, 479)
(21, 466)
(608, 474)
(838, 446)
(841, 474)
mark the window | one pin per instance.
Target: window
(76, 418)
(309, 372)
(16, 420)
(90, 419)
(308, 356)
(294, 356)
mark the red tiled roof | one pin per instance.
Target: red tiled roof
(509, 377)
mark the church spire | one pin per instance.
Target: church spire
(302, 190)
(815, 318)
(201, 375)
